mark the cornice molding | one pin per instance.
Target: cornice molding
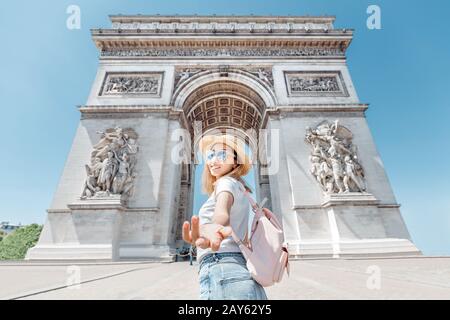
(115, 40)
(125, 108)
(281, 110)
(219, 18)
(321, 207)
(189, 32)
(313, 107)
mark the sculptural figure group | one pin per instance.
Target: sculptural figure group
(112, 164)
(132, 84)
(317, 84)
(334, 161)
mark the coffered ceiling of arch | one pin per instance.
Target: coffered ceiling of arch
(224, 111)
(224, 88)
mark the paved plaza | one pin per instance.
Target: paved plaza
(399, 278)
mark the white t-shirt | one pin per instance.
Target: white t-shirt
(239, 214)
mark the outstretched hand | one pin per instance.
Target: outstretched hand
(205, 236)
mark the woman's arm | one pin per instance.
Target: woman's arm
(210, 235)
(224, 202)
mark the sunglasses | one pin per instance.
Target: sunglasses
(221, 155)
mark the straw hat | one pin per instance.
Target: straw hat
(233, 142)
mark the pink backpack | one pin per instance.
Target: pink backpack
(266, 255)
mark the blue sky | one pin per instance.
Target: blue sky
(402, 70)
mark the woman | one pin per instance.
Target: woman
(222, 267)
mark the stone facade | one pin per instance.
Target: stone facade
(160, 74)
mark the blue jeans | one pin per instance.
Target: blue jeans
(224, 276)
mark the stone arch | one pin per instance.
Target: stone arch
(237, 98)
(246, 79)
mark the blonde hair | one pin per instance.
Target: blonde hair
(209, 181)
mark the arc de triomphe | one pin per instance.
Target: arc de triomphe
(121, 194)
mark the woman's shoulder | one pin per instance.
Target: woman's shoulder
(228, 182)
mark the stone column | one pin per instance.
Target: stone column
(170, 187)
(280, 186)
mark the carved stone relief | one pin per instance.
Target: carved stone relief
(132, 84)
(225, 27)
(225, 52)
(310, 83)
(263, 74)
(334, 161)
(113, 160)
(181, 75)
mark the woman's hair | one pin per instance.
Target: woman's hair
(208, 180)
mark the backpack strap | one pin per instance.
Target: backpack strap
(242, 245)
(253, 204)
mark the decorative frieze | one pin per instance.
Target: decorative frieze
(225, 27)
(310, 83)
(263, 73)
(113, 160)
(224, 52)
(334, 161)
(136, 83)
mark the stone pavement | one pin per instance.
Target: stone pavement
(400, 278)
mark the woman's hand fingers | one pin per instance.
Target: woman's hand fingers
(210, 232)
(193, 236)
(225, 232)
(218, 237)
(215, 244)
(195, 233)
(222, 233)
(205, 236)
(202, 243)
(215, 240)
(186, 232)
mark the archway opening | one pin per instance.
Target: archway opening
(216, 108)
